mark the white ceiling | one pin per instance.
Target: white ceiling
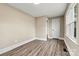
(42, 9)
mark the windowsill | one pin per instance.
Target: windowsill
(72, 39)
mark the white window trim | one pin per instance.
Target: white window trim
(67, 24)
(72, 39)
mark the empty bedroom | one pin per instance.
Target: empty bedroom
(39, 29)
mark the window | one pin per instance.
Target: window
(71, 22)
(72, 29)
(75, 29)
(75, 17)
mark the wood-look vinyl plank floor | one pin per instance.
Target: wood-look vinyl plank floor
(51, 47)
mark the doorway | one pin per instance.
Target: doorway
(53, 25)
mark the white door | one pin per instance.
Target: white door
(56, 28)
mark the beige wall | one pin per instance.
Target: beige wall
(15, 26)
(41, 28)
(62, 27)
(49, 27)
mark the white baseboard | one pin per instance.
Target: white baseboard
(14, 46)
(50, 37)
(70, 50)
(60, 38)
(44, 39)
